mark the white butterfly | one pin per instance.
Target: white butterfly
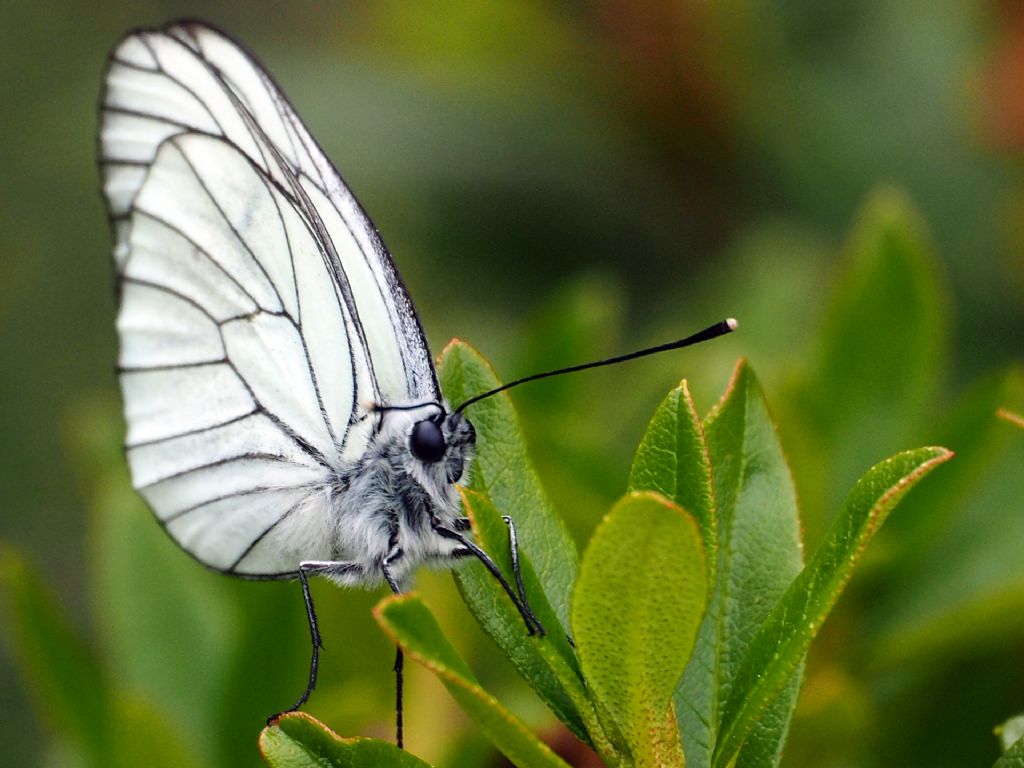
(283, 412)
(284, 416)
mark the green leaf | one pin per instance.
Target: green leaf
(412, 625)
(759, 554)
(167, 624)
(64, 678)
(547, 663)
(881, 353)
(673, 460)
(980, 442)
(580, 318)
(297, 740)
(502, 470)
(780, 644)
(959, 582)
(107, 726)
(142, 735)
(890, 290)
(636, 608)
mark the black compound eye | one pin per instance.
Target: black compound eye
(427, 442)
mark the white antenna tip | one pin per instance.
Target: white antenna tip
(732, 322)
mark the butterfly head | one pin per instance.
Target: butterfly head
(445, 440)
(440, 442)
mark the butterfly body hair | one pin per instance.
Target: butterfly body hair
(391, 498)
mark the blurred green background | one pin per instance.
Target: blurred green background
(560, 181)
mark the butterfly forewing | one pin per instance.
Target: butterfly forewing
(259, 309)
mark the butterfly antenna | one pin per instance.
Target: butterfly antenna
(711, 332)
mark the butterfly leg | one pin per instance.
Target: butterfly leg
(324, 568)
(394, 554)
(513, 547)
(533, 625)
(464, 524)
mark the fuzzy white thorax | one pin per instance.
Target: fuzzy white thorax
(389, 496)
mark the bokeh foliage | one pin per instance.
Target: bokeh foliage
(558, 183)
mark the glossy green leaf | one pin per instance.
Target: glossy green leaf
(759, 554)
(547, 663)
(62, 674)
(502, 470)
(636, 608)
(411, 624)
(780, 644)
(297, 740)
(673, 460)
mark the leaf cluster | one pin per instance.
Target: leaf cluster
(688, 613)
(680, 635)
